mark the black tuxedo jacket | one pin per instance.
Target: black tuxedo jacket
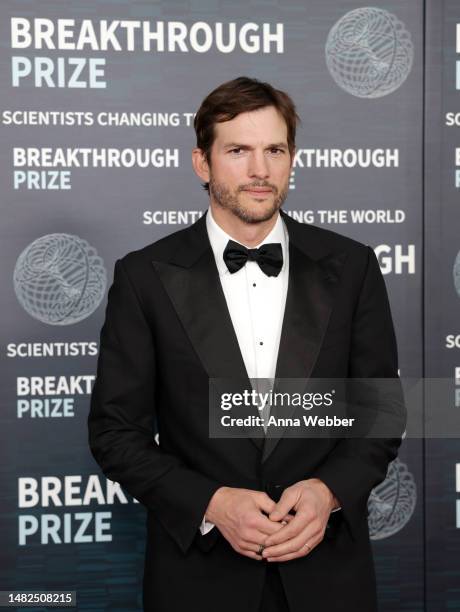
(167, 331)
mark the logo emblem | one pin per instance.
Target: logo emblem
(369, 52)
(59, 279)
(457, 273)
(392, 502)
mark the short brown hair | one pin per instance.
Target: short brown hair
(241, 95)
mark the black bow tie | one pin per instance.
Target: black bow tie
(268, 256)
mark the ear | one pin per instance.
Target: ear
(200, 165)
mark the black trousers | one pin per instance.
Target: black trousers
(273, 596)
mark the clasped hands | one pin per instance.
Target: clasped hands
(253, 523)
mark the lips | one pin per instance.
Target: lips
(259, 190)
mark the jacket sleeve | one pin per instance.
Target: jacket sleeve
(355, 466)
(120, 422)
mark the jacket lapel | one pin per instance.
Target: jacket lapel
(192, 282)
(310, 299)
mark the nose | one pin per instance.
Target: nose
(258, 165)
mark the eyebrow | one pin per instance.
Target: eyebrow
(230, 145)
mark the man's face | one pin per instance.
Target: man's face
(250, 165)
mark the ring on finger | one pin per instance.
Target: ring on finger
(306, 545)
(261, 549)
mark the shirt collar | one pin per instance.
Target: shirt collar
(219, 238)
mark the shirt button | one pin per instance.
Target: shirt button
(261, 343)
(253, 284)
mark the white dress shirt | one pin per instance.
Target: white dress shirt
(256, 304)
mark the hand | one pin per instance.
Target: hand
(239, 516)
(313, 502)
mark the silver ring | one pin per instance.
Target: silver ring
(261, 549)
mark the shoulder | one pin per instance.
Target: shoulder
(332, 250)
(160, 250)
(319, 242)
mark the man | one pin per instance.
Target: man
(247, 524)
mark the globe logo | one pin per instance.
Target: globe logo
(392, 502)
(369, 52)
(457, 273)
(59, 279)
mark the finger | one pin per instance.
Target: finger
(249, 553)
(253, 536)
(277, 526)
(265, 526)
(287, 519)
(296, 555)
(264, 502)
(296, 551)
(305, 542)
(251, 547)
(290, 546)
(260, 530)
(294, 527)
(287, 501)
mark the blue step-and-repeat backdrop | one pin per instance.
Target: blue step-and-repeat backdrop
(96, 122)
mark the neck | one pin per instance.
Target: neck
(249, 234)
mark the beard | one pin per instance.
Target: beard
(255, 212)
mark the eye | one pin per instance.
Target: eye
(277, 150)
(235, 150)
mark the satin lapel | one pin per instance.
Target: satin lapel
(310, 298)
(192, 282)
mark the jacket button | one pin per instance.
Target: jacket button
(274, 491)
